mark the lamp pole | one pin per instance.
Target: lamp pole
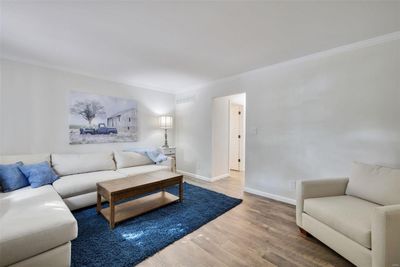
(166, 139)
(165, 123)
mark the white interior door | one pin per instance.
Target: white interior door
(236, 137)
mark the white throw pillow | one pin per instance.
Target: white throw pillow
(130, 159)
(67, 164)
(375, 183)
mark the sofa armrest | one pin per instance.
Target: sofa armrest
(317, 188)
(385, 231)
(170, 162)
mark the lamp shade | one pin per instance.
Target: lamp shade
(165, 122)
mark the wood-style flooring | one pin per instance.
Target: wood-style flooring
(258, 232)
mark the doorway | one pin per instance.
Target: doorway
(228, 139)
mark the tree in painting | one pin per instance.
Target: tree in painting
(88, 109)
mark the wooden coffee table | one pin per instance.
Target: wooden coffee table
(117, 190)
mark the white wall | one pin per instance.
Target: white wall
(221, 133)
(308, 118)
(34, 111)
(220, 137)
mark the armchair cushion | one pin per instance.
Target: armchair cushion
(317, 188)
(348, 215)
(375, 183)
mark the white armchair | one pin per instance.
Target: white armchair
(385, 232)
(358, 217)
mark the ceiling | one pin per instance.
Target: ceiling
(172, 46)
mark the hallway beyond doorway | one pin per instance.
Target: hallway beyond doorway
(228, 134)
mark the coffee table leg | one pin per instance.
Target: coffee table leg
(112, 214)
(181, 191)
(98, 207)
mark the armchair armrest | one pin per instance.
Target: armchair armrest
(317, 188)
(385, 231)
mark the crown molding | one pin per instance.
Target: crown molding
(326, 53)
(323, 54)
(53, 67)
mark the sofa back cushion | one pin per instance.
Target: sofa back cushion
(26, 158)
(130, 159)
(375, 183)
(67, 164)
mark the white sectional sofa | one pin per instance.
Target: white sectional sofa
(358, 217)
(36, 224)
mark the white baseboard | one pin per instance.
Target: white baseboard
(269, 195)
(203, 178)
(215, 178)
(246, 189)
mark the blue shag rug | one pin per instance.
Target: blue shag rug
(138, 238)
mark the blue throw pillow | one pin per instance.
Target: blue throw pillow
(11, 178)
(39, 174)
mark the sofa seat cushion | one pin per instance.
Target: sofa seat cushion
(78, 184)
(348, 215)
(142, 169)
(33, 220)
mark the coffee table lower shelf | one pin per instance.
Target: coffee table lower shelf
(139, 206)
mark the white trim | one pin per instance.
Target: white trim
(215, 178)
(204, 178)
(269, 195)
(246, 189)
(207, 179)
(344, 48)
(85, 74)
(393, 36)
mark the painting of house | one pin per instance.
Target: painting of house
(124, 120)
(101, 119)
